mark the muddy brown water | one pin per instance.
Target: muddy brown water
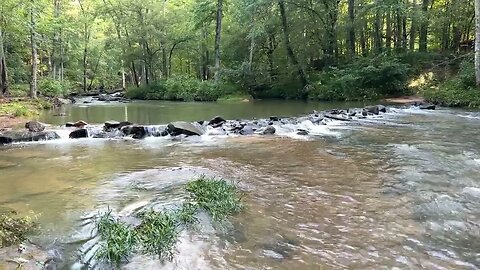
(401, 191)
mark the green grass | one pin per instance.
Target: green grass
(13, 230)
(24, 107)
(216, 196)
(235, 98)
(158, 232)
(118, 239)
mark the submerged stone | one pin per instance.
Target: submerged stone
(79, 133)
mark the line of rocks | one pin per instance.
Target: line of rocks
(35, 131)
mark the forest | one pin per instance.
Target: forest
(206, 50)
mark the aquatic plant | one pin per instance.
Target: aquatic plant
(216, 196)
(118, 239)
(13, 230)
(187, 214)
(157, 233)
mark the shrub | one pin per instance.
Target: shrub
(459, 90)
(13, 230)
(53, 88)
(180, 88)
(363, 79)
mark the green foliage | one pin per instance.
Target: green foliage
(53, 88)
(218, 197)
(13, 230)
(118, 239)
(457, 91)
(157, 233)
(179, 88)
(362, 80)
(186, 214)
(18, 109)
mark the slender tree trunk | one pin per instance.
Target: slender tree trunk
(399, 32)
(270, 50)
(388, 31)
(413, 26)
(477, 42)
(377, 35)
(33, 43)
(85, 53)
(424, 27)
(218, 37)
(3, 68)
(286, 40)
(351, 28)
(363, 39)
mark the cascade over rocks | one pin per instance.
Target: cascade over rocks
(14, 136)
(217, 126)
(34, 126)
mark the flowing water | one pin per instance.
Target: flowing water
(400, 191)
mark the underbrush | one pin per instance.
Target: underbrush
(158, 231)
(458, 91)
(181, 88)
(14, 229)
(24, 107)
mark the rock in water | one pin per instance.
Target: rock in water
(185, 128)
(268, 130)
(35, 126)
(78, 124)
(372, 109)
(79, 133)
(217, 121)
(137, 132)
(428, 107)
(302, 132)
(27, 136)
(109, 125)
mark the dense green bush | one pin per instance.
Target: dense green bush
(457, 91)
(180, 88)
(364, 79)
(53, 88)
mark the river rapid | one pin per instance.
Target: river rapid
(396, 191)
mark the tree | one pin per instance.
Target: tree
(218, 36)
(477, 42)
(33, 44)
(3, 68)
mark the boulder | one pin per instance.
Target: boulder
(185, 128)
(59, 102)
(217, 121)
(274, 118)
(268, 130)
(428, 107)
(137, 132)
(302, 132)
(79, 133)
(375, 109)
(35, 126)
(27, 136)
(78, 124)
(109, 125)
(248, 130)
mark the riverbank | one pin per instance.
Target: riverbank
(16, 111)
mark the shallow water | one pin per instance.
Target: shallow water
(399, 191)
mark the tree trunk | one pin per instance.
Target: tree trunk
(477, 42)
(85, 53)
(218, 36)
(33, 43)
(424, 27)
(413, 26)
(399, 32)
(363, 39)
(3, 68)
(377, 32)
(388, 33)
(351, 28)
(286, 40)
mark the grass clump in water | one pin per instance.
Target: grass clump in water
(157, 233)
(13, 230)
(119, 239)
(218, 197)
